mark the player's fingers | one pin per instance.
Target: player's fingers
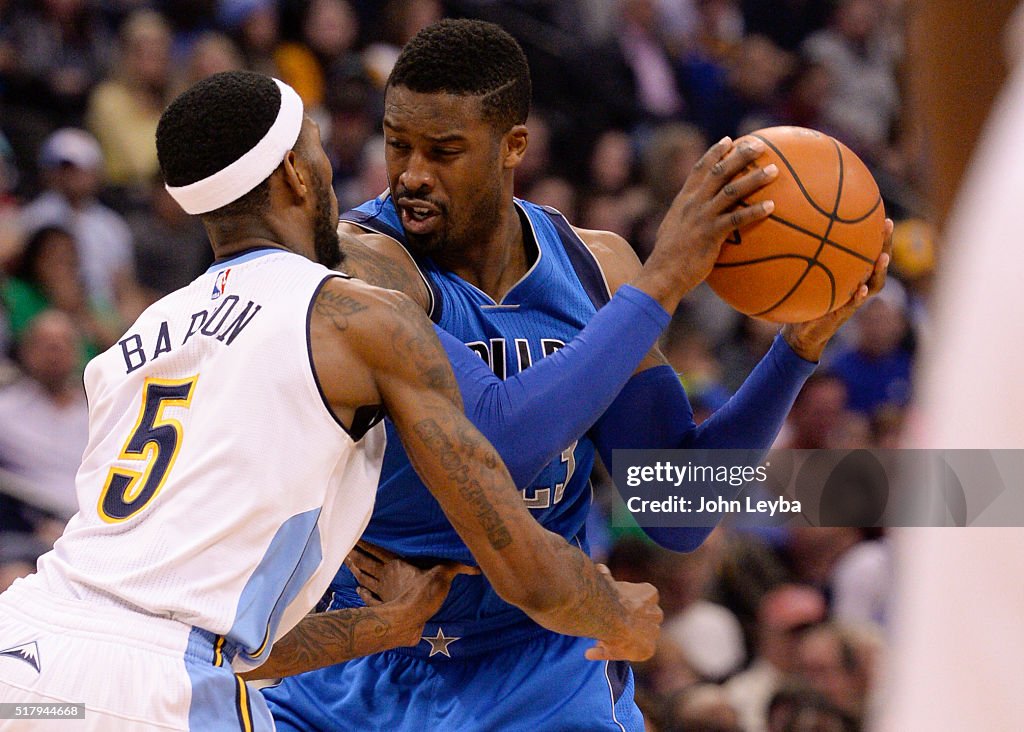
(742, 216)
(709, 159)
(598, 652)
(858, 298)
(465, 569)
(377, 552)
(363, 577)
(368, 597)
(742, 186)
(364, 563)
(721, 173)
(878, 273)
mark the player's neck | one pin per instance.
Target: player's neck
(229, 238)
(500, 261)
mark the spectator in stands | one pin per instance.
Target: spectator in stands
(125, 107)
(56, 50)
(556, 192)
(351, 106)
(786, 22)
(700, 708)
(326, 54)
(785, 613)
(751, 96)
(863, 98)
(818, 408)
(741, 349)
(72, 164)
(840, 664)
(797, 707)
(48, 400)
(537, 162)
(667, 158)
(400, 20)
(372, 178)
(171, 247)
(611, 163)
(211, 54)
(811, 552)
(255, 27)
(646, 58)
(861, 582)
(876, 370)
(48, 276)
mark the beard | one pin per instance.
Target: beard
(456, 233)
(326, 246)
(424, 245)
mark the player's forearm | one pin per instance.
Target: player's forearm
(324, 639)
(527, 416)
(653, 412)
(575, 598)
(551, 581)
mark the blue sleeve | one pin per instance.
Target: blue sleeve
(652, 412)
(532, 416)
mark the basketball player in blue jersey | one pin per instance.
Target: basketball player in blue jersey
(201, 540)
(515, 282)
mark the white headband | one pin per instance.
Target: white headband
(231, 183)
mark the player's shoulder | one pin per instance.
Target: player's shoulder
(605, 244)
(352, 304)
(367, 237)
(613, 253)
(354, 324)
(363, 295)
(382, 261)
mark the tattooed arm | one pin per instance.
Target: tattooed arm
(400, 597)
(386, 351)
(324, 639)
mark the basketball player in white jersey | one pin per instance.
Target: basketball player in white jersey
(234, 452)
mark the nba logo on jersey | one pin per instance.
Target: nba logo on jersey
(220, 284)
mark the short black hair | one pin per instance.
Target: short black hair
(211, 125)
(470, 58)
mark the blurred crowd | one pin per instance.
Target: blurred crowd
(767, 630)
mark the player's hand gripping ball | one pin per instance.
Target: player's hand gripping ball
(821, 241)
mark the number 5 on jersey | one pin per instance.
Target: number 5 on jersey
(155, 439)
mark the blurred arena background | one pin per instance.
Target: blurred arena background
(765, 630)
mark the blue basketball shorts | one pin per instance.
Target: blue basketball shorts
(543, 684)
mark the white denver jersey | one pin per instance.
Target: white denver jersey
(217, 489)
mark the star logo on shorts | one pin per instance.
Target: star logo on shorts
(439, 643)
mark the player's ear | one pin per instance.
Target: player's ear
(295, 175)
(514, 145)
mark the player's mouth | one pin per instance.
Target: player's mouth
(419, 217)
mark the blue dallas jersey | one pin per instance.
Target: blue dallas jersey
(543, 311)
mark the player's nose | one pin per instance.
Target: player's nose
(417, 175)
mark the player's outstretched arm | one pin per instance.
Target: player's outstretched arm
(404, 598)
(400, 600)
(384, 338)
(653, 412)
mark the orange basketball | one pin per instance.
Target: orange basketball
(819, 243)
